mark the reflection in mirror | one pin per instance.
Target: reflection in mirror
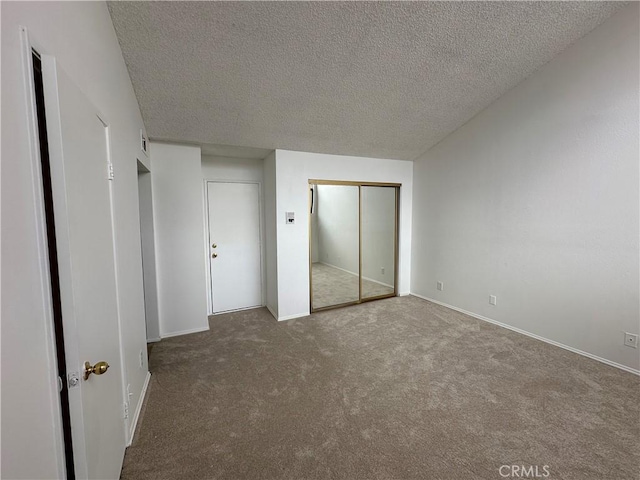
(335, 257)
(378, 241)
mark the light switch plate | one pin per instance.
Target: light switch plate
(290, 218)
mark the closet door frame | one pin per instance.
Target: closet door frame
(396, 239)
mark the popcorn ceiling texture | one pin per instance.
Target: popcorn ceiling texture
(371, 79)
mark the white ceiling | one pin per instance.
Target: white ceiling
(229, 151)
(372, 79)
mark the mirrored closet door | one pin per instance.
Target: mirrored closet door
(353, 242)
(378, 227)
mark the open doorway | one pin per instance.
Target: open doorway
(147, 246)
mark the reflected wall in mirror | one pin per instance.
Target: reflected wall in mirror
(335, 256)
(378, 207)
(353, 242)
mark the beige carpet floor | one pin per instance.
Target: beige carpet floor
(395, 389)
(332, 286)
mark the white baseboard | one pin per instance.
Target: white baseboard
(272, 312)
(338, 268)
(533, 335)
(291, 317)
(136, 415)
(153, 340)
(237, 310)
(355, 274)
(378, 282)
(185, 332)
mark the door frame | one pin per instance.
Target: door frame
(73, 361)
(208, 258)
(148, 243)
(27, 45)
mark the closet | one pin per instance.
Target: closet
(353, 242)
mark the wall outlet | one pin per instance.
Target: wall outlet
(382, 270)
(493, 300)
(440, 286)
(141, 359)
(631, 340)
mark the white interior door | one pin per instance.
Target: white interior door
(78, 143)
(234, 245)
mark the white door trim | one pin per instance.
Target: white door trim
(123, 373)
(206, 238)
(27, 44)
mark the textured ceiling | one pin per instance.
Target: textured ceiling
(356, 78)
(229, 151)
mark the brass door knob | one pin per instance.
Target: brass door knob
(214, 255)
(213, 245)
(98, 369)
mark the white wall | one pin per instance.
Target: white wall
(147, 234)
(293, 171)
(337, 212)
(179, 223)
(315, 238)
(271, 241)
(81, 37)
(336, 224)
(232, 169)
(535, 200)
(378, 232)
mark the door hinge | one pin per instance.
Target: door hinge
(125, 409)
(110, 173)
(60, 384)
